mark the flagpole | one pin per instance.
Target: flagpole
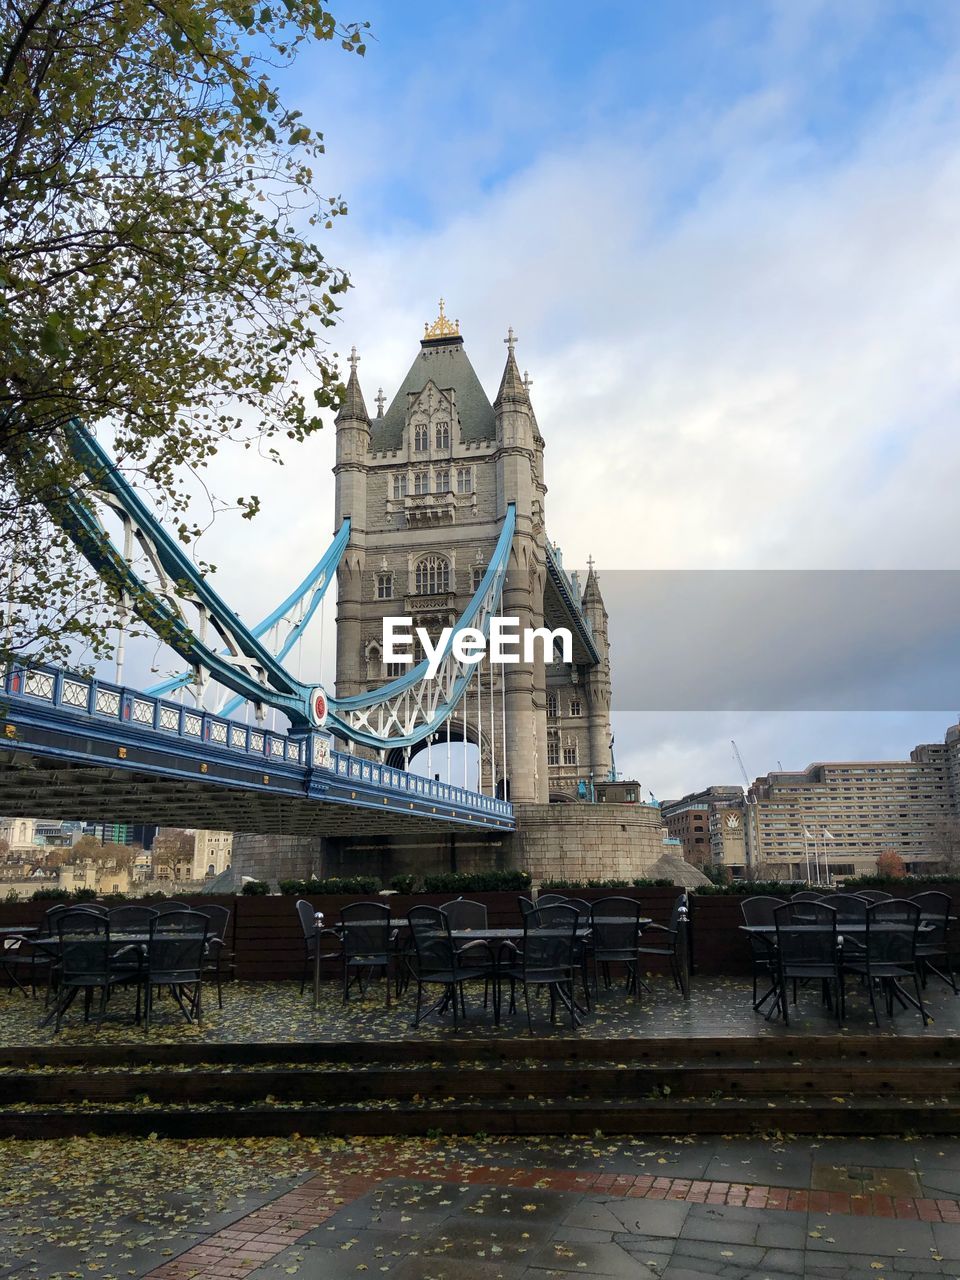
(806, 851)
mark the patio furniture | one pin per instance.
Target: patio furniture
(463, 914)
(889, 954)
(615, 933)
(550, 899)
(932, 940)
(218, 957)
(547, 960)
(87, 961)
(174, 960)
(131, 919)
(367, 942)
(583, 950)
(806, 895)
(763, 951)
(671, 941)
(438, 961)
(311, 941)
(850, 908)
(807, 948)
(171, 904)
(526, 905)
(874, 895)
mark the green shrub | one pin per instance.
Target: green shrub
(476, 882)
(292, 887)
(50, 895)
(610, 883)
(254, 888)
(661, 883)
(404, 883)
(343, 885)
(559, 882)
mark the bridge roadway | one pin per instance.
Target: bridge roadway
(73, 747)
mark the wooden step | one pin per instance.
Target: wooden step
(550, 1116)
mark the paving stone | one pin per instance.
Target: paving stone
(651, 1217)
(779, 1229)
(724, 1252)
(946, 1236)
(593, 1214)
(785, 1261)
(874, 1237)
(721, 1222)
(591, 1260)
(584, 1235)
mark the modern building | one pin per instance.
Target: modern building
(426, 484)
(709, 825)
(834, 819)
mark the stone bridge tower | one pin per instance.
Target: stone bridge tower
(426, 485)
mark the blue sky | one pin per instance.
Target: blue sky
(727, 234)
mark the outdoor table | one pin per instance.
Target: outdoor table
(8, 933)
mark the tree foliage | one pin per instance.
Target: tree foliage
(159, 272)
(891, 865)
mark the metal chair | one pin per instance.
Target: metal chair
(763, 950)
(131, 918)
(933, 938)
(874, 895)
(526, 905)
(367, 943)
(87, 962)
(311, 940)
(440, 962)
(674, 945)
(547, 960)
(174, 960)
(806, 895)
(807, 948)
(850, 907)
(463, 913)
(889, 954)
(219, 954)
(615, 932)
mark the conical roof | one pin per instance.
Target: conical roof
(512, 388)
(444, 362)
(352, 408)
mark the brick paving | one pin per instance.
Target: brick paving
(246, 1245)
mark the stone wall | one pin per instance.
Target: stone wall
(585, 841)
(579, 841)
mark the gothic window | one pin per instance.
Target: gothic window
(477, 576)
(464, 479)
(384, 586)
(421, 482)
(443, 435)
(421, 439)
(553, 753)
(441, 481)
(553, 706)
(576, 707)
(400, 485)
(570, 754)
(432, 576)
(394, 669)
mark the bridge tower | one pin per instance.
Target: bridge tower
(427, 483)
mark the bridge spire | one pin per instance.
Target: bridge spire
(352, 406)
(512, 386)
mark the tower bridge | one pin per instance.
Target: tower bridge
(440, 516)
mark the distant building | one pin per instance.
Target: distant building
(842, 815)
(709, 825)
(617, 793)
(190, 855)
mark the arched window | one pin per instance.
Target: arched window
(432, 576)
(477, 576)
(553, 707)
(421, 438)
(384, 586)
(443, 435)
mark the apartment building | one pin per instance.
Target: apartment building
(709, 826)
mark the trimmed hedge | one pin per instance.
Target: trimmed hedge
(332, 886)
(613, 883)
(256, 888)
(476, 882)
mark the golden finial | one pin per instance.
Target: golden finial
(441, 327)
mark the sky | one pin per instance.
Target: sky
(726, 233)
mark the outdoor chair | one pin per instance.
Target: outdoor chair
(218, 957)
(171, 904)
(807, 949)
(547, 960)
(130, 919)
(670, 941)
(550, 899)
(174, 961)
(933, 937)
(615, 934)
(763, 950)
(850, 908)
(87, 962)
(438, 961)
(888, 954)
(526, 905)
(806, 895)
(583, 950)
(367, 943)
(311, 940)
(463, 914)
(874, 895)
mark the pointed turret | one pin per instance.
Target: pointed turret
(353, 408)
(513, 389)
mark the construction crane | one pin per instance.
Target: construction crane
(739, 759)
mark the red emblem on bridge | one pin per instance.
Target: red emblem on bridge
(318, 707)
